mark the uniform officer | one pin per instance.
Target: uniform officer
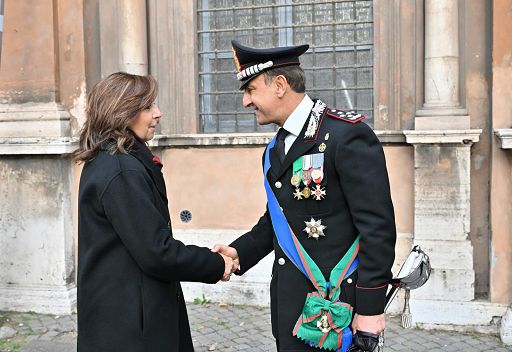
(329, 217)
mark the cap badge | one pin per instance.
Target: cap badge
(237, 62)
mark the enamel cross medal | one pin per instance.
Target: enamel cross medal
(318, 175)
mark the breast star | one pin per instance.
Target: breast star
(314, 228)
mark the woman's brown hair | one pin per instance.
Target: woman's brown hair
(112, 104)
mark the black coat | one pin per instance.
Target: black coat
(357, 201)
(129, 265)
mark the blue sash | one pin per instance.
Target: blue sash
(286, 241)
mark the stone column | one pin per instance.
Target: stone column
(442, 141)
(41, 81)
(123, 37)
(442, 109)
(133, 37)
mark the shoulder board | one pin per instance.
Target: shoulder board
(347, 116)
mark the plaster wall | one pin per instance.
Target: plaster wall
(222, 187)
(501, 182)
(476, 58)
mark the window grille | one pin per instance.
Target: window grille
(338, 65)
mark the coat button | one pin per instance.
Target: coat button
(281, 261)
(349, 280)
(278, 184)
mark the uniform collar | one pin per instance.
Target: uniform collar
(299, 116)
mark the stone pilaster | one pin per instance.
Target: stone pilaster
(442, 141)
(36, 221)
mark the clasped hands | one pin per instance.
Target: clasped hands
(230, 257)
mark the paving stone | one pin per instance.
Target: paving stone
(239, 328)
(7, 332)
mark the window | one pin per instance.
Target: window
(338, 65)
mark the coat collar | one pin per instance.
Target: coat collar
(144, 155)
(299, 147)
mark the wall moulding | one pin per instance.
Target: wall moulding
(37, 145)
(462, 137)
(34, 120)
(256, 139)
(504, 137)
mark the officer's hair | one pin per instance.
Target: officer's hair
(294, 75)
(112, 105)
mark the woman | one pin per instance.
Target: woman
(129, 265)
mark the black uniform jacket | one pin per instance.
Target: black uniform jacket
(357, 201)
(129, 265)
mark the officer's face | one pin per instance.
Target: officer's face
(144, 125)
(263, 99)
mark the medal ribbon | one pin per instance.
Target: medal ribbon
(326, 300)
(297, 170)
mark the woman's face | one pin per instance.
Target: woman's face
(144, 125)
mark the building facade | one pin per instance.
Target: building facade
(433, 76)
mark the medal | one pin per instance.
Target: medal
(307, 162)
(318, 192)
(322, 147)
(297, 172)
(314, 228)
(297, 194)
(316, 174)
(306, 177)
(323, 324)
(318, 168)
(295, 181)
(306, 192)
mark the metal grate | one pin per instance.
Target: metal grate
(338, 65)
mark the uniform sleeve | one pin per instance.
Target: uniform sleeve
(255, 244)
(129, 206)
(361, 166)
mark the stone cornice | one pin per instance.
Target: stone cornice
(462, 137)
(66, 145)
(244, 139)
(37, 146)
(505, 137)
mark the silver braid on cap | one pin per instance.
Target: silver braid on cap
(252, 70)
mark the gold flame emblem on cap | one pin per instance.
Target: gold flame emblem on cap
(237, 63)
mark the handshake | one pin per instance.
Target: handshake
(230, 257)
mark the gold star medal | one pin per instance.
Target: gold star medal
(298, 194)
(314, 228)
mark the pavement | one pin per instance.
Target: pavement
(223, 327)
